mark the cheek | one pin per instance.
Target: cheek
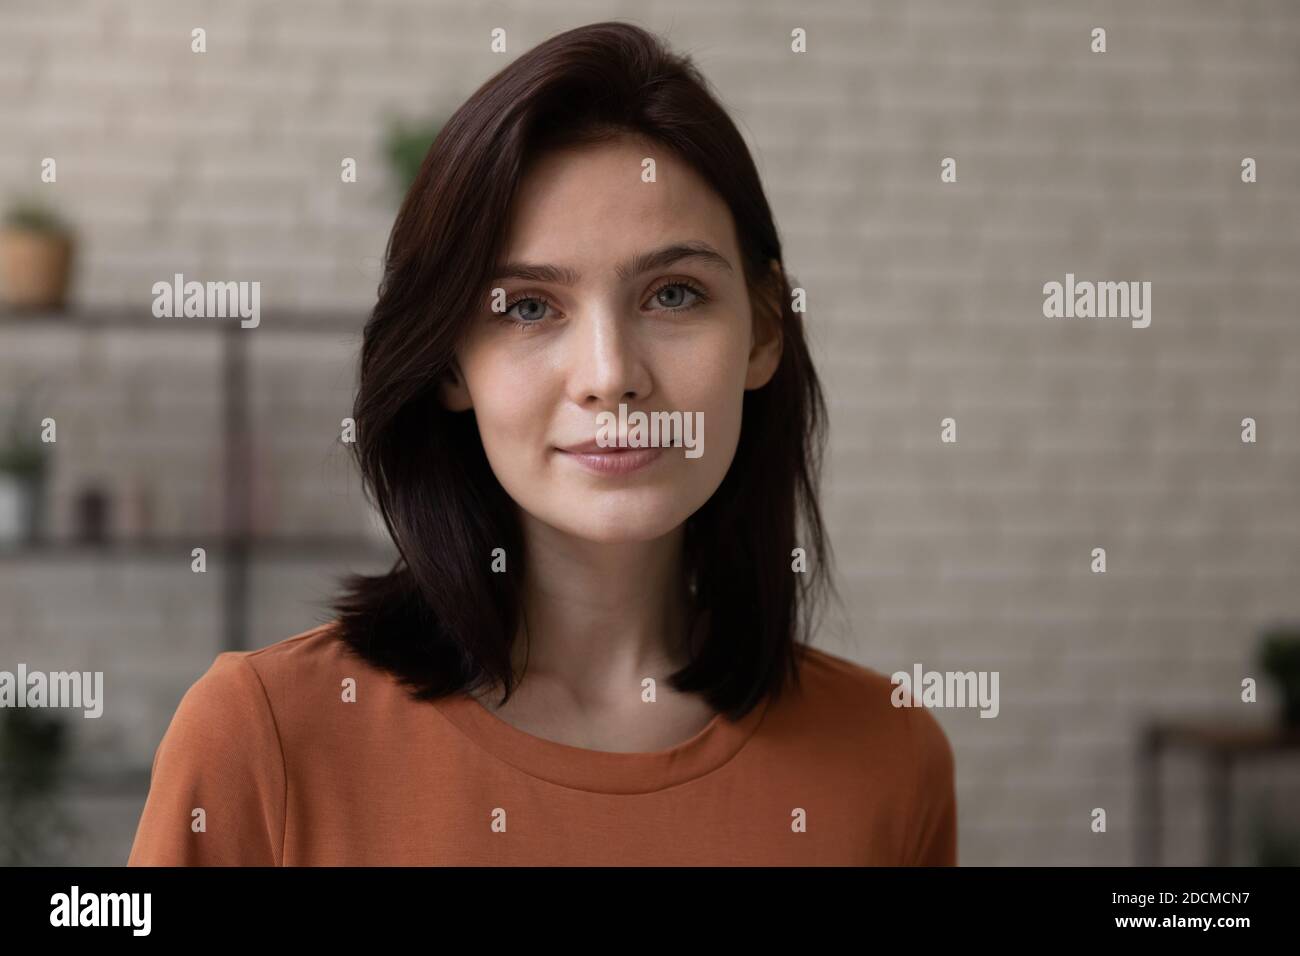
(710, 374)
(510, 410)
(710, 379)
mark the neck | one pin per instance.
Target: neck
(601, 616)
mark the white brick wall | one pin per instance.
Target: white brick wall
(924, 301)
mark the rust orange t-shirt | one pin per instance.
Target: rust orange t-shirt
(287, 772)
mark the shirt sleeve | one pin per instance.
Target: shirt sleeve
(221, 754)
(933, 839)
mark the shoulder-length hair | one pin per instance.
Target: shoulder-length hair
(440, 620)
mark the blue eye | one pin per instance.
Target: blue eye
(530, 316)
(680, 290)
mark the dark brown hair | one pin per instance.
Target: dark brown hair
(440, 619)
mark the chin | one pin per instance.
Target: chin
(614, 519)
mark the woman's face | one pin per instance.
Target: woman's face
(580, 326)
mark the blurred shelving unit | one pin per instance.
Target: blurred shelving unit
(236, 545)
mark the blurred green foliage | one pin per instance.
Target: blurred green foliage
(34, 216)
(405, 145)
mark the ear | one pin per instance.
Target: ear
(766, 340)
(452, 389)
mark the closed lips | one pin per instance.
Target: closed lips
(593, 448)
(611, 461)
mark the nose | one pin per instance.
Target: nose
(606, 365)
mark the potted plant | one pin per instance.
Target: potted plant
(35, 829)
(23, 462)
(35, 257)
(1279, 655)
(405, 146)
(1273, 845)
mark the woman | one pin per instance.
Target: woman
(588, 652)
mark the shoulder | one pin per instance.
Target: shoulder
(247, 678)
(898, 755)
(245, 699)
(864, 706)
(837, 685)
(219, 780)
(316, 648)
(312, 690)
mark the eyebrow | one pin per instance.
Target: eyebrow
(638, 264)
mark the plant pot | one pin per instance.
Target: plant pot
(1279, 655)
(34, 268)
(1291, 704)
(21, 502)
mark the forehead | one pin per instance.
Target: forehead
(590, 203)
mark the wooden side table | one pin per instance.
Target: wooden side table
(1220, 745)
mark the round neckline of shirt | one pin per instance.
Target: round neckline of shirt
(602, 771)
